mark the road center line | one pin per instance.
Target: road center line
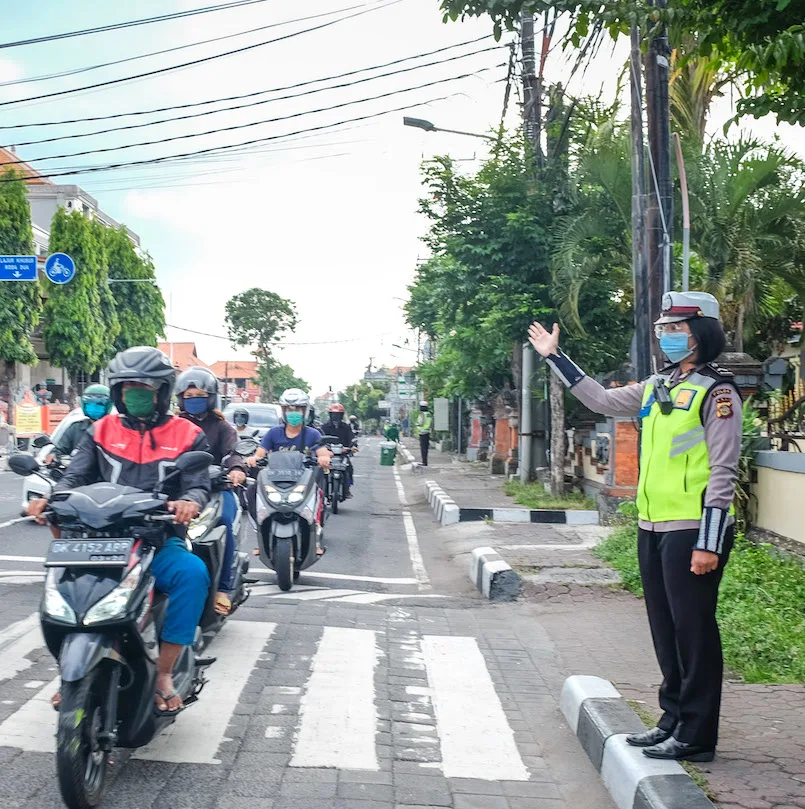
(345, 576)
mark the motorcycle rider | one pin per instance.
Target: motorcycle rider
(356, 427)
(131, 449)
(292, 435)
(197, 392)
(95, 404)
(241, 419)
(337, 427)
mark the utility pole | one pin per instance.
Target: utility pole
(532, 101)
(660, 218)
(642, 307)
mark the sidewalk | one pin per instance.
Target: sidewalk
(599, 629)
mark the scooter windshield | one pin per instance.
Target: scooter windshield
(285, 465)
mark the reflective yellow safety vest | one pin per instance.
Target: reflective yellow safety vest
(674, 460)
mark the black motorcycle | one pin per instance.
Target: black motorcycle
(102, 618)
(336, 482)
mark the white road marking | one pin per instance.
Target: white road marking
(17, 641)
(343, 576)
(196, 735)
(414, 553)
(33, 726)
(32, 559)
(376, 598)
(476, 739)
(338, 716)
(15, 521)
(310, 595)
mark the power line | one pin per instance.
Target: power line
(202, 60)
(245, 95)
(282, 344)
(218, 149)
(261, 102)
(235, 127)
(89, 68)
(130, 23)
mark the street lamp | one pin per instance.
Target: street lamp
(421, 123)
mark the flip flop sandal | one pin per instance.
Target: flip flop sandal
(223, 604)
(168, 711)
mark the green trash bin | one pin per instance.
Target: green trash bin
(388, 453)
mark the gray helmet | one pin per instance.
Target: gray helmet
(146, 365)
(296, 397)
(201, 378)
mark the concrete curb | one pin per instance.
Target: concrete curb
(445, 509)
(602, 719)
(493, 576)
(439, 499)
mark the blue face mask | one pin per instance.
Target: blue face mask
(196, 406)
(675, 346)
(94, 410)
(294, 419)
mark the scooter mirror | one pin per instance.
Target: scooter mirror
(23, 465)
(194, 461)
(41, 441)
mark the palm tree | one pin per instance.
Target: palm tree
(747, 217)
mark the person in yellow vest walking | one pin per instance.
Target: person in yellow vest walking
(690, 444)
(424, 424)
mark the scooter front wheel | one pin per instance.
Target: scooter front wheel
(336, 498)
(81, 764)
(284, 563)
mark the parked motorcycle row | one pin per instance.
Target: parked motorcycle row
(102, 617)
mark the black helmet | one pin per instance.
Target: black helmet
(201, 378)
(241, 413)
(144, 364)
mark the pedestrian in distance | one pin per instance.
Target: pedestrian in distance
(424, 424)
(690, 444)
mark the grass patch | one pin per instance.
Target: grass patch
(761, 608)
(650, 719)
(533, 495)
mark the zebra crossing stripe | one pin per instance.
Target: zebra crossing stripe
(195, 737)
(476, 739)
(33, 726)
(17, 641)
(338, 718)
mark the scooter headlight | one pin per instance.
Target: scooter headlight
(114, 605)
(274, 497)
(295, 497)
(55, 606)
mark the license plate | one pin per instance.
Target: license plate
(89, 553)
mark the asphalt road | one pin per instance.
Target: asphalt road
(381, 681)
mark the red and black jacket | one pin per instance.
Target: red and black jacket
(117, 449)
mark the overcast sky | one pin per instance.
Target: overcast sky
(327, 218)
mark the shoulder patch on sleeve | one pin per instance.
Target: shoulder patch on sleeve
(724, 409)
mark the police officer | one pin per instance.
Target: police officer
(690, 417)
(424, 424)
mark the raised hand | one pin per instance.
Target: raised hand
(544, 342)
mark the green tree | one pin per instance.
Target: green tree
(259, 318)
(277, 377)
(362, 400)
(80, 321)
(20, 301)
(140, 306)
(761, 41)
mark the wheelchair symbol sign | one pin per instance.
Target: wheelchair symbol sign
(60, 268)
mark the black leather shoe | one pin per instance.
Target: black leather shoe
(648, 738)
(675, 750)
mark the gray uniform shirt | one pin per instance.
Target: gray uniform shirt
(722, 434)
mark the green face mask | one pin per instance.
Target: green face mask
(139, 402)
(294, 419)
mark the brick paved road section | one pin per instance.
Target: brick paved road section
(366, 707)
(761, 754)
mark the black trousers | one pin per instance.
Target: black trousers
(424, 447)
(681, 610)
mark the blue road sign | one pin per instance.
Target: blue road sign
(17, 268)
(60, 268)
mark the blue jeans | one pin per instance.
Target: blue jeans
(228, 514)
(185, 580)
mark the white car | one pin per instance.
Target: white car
(34, 485)
(262, 417)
